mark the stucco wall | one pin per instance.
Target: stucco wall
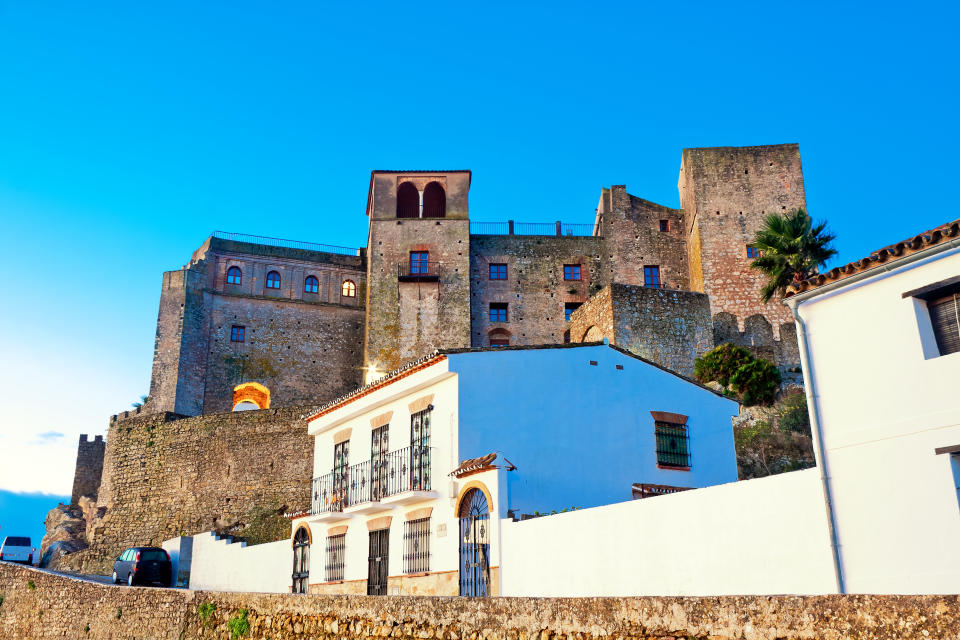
(60, 607)
(759, 536)
(896, 501)
(220, 564)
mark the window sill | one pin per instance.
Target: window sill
(418, 574)
(331, 582)
(670, 467)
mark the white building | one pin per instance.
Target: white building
(417, 473)
(880, 347)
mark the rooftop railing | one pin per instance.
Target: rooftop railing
(408, 469)
(280, 242)
(513, 228)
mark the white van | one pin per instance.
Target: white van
(16, 549)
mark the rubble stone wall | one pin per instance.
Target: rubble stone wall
(39, 605)
(86, 477)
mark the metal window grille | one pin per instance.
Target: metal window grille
(378, 562)
(673, 444)
(301, 561)
(420, 450)
(651, 277)
(945, 318)
(416, 546)
(379, 471)
(341, 455)
(571, 272)
(335, 554)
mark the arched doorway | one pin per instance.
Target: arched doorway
(301, 560)
(434, 201)
(408, 201)
(474, 544)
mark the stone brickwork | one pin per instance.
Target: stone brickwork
(535, 291)
(726, 192)
(166, 475)
(39, 605)
(86, 477)
(302, 345)
(671, 328)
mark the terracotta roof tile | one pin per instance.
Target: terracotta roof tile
(475, 464)
(889, 253)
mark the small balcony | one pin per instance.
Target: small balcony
(397, 477)
(419, 271)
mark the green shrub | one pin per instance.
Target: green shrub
(119, 613)
(206, 610)
(1, 601)
(720, 363)
(757, 382)
(239, 625)
(792, 413)
(31, 585)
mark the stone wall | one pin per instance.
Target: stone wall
(86, 477)
(757, 337)
(166, 475)
(39, 605)
(535, 290)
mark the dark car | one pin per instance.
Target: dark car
(143, 565)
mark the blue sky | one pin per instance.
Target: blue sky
(130, 131)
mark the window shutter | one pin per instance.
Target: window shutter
(945, 318)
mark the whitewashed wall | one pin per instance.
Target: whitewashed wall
(765, 536)
(886, 401)
(220, 566)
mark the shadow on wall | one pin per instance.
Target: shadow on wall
(757, 337)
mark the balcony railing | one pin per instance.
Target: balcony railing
(290, 244)
(371, 480)
(513, 228)
(412, 271)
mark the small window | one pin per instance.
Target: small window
(498, 312)
(498, 272)
(945, 318)
(568, 309)
(753, 252)
(273, 280)
(664, 225)
(651, 277)
(234, 275)
(349, 289)
(571, 272)
(672, 445)
(236, 333)
(311, 285)
(335, 552)
(416, 546)
(419, 262)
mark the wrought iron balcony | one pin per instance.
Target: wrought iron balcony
(408, 469)
(419, 271)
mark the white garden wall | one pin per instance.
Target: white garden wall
(219, 565)
(765, 536)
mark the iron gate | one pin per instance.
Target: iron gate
(301, 560)
(378, 564)
(379, 448)
(474, 544)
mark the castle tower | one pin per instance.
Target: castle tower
(725, 193)
(418, 266)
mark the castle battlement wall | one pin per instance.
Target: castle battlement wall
(86, 477)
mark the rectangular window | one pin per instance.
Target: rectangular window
(335, 549)
(236, 333)
(498, 312)
(419, 262)
(664, 225)
(945, 318)
(420, 450)
(651, 277)
(498, 272)
(673, 448)
(571, 272)
(569, 308)
(341, 457)
(753, 252)
(416, 546)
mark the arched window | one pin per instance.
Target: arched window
(408, 201)
(234, 275)
(434, 201)
(311, 285)
(349, 289)
(301, 560)
(499, 338)
(273, 280)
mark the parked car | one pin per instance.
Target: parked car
(143, 565)
(17, 549)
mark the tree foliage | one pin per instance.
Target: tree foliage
(792, 248)
(720, 363)
(752, 380)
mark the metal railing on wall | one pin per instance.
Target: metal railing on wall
(408, 469)
(280, 242)
(513, 228)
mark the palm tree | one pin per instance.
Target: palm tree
(143, 401)
(791, 249)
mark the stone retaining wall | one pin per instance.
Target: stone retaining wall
(38, 605)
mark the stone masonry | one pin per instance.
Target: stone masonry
(86, 477)
(38, 605)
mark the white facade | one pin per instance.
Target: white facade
(219, 564)
(885, 400)
(571, 427)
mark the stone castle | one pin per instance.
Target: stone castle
(253, 322)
